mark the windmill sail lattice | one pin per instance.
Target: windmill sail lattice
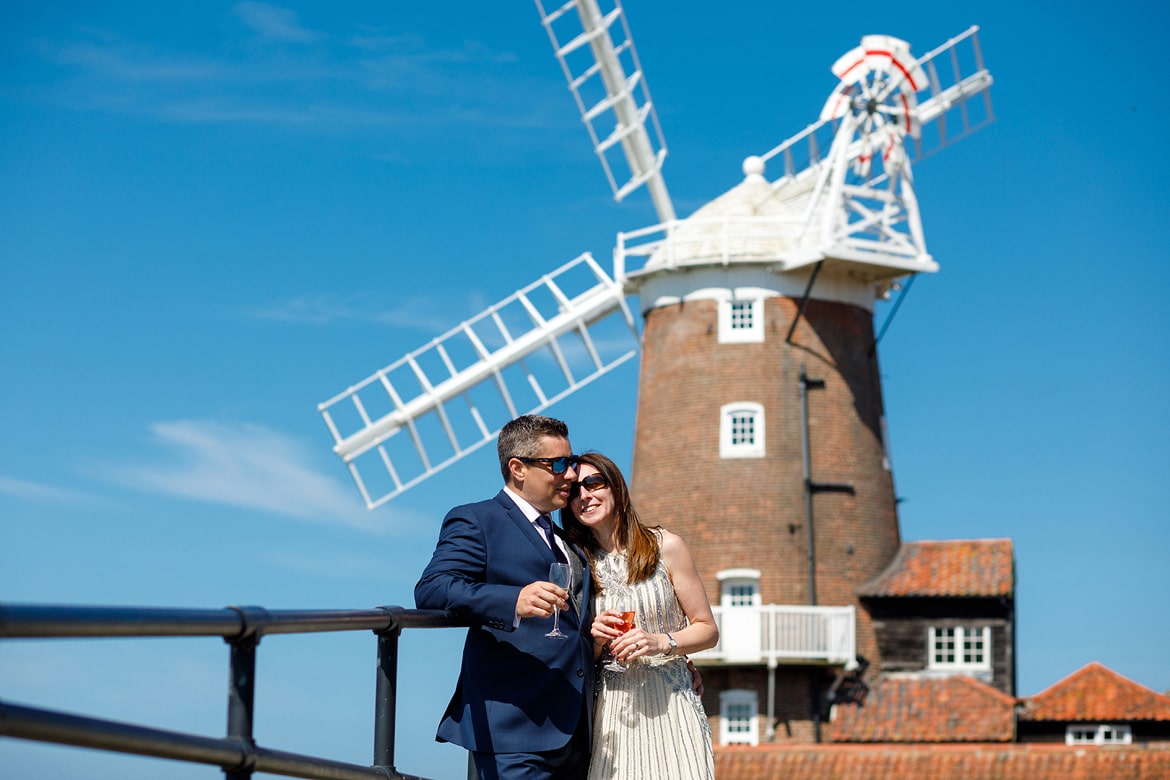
(606, 80)
(439, 403)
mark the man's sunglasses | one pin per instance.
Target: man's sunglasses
(557, 466)
(592, 483)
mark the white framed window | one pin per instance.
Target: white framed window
(741, 321)
(741, 430)
(738, 711)
(739, 587)
(960, 648)
(1098, 734)
(741, 594)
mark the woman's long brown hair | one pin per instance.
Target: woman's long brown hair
(639, 542)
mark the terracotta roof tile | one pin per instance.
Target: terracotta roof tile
(971, 762)
(919, 709)
(1096, 693)
(974, 567)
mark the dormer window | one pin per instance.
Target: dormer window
(960, 648)
(741, 321)
(1098, 734)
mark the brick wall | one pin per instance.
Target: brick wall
(971, 762)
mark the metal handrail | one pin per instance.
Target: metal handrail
(36, 621)
(241, 627)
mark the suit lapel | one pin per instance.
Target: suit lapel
(580, 567)
(577, 560)
(527, 529)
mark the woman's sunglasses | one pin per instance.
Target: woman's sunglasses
(592, 483)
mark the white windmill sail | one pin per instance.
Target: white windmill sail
(440, 402)
(605, 77)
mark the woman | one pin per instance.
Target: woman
(648, 721)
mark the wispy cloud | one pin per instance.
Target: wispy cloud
(39, 491)
(284, 73)
(247, 466)
(424, 313)
(274, 23)
(109, 58)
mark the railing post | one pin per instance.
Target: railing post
(241, 700)
(242, 688)
(386, 695)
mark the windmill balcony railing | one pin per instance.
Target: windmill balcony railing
(777, 634)
(715, 241)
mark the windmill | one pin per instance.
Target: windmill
(854, 207)
(760, 427)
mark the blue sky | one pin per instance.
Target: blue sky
(215, 215)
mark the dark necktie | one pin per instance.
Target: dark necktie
(545, 524)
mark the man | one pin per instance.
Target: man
(523, 705)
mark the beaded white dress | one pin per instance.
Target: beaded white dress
(648, 724)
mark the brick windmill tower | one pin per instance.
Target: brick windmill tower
(759, 432)
(760, 439)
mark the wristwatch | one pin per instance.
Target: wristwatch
(673, 644)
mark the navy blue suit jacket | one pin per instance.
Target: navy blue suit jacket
(518, 691)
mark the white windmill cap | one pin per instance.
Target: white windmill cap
(753, 222)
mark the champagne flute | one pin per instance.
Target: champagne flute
(626, 608)
(561, 575)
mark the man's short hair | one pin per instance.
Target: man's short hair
(521, 438)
